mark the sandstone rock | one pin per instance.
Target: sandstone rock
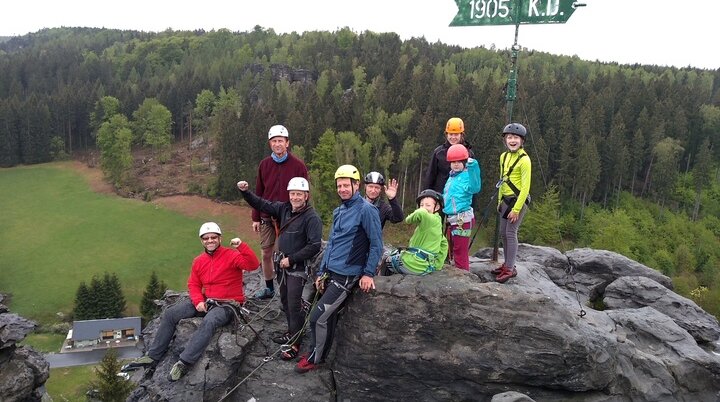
(637, 291)
(13, 329)
(236, 355)
(414, 336)
(456, 335)
(23, 371)
(595, 269)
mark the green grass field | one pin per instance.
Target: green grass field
(69, 383)
(44, 342)
(57, 232)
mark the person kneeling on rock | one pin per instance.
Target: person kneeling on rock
(428, 246)
(216, 274)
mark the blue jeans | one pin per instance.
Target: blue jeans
(212, 320)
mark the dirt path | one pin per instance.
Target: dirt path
(93, 176)
(189, 205)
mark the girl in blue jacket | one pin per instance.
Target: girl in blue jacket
(464, 181)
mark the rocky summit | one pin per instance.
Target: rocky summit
(460, 336)
(23, 371)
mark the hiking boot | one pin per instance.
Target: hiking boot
(506, 274)
(265, 293)
(304, 365)
(282, 339)
(140, 362)
(497, 270)
(178, 370)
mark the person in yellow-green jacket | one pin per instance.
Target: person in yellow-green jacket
(513, 195)
(428, 247)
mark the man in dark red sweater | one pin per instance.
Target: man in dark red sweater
(274, 173)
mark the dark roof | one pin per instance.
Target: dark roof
(90, 329)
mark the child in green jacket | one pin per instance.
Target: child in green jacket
(428, 247)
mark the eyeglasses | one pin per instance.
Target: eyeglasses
(209, 238)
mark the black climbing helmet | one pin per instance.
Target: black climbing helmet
(428, 192)
(515, 128)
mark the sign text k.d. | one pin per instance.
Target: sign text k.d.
(511, 12)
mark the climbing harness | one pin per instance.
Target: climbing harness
(510, 201)
(239, 320)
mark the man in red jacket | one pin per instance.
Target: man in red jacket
(273, 175)
(216, 274)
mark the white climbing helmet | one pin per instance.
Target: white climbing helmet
(298, 183)
(209, 227)
(278, 131)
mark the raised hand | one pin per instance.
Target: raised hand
(391, 189)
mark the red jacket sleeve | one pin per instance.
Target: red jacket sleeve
(247, 260)
(195, 286)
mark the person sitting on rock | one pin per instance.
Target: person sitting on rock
(353, 250)
(216, 274)
(428, 246)
(299, 240)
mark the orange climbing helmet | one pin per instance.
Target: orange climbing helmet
(455, 126)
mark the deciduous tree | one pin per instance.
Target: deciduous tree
(151, 126)
(114, 139)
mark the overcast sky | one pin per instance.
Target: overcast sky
(662, 32)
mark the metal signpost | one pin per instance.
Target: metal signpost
(512, 12)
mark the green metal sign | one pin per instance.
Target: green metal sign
(512, 12)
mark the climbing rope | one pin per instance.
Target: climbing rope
(569, 270)
(283, 348)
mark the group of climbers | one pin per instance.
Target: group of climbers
(290, 232)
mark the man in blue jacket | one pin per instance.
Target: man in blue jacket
(352, 253)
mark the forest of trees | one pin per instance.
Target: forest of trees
(626, 157)
(103, 298)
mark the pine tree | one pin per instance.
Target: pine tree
(83, 304)
(702, 175)
(116, 299)
(542, 225)
(154, 290)
(97, 300)
(322, 173)
(110, 386)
